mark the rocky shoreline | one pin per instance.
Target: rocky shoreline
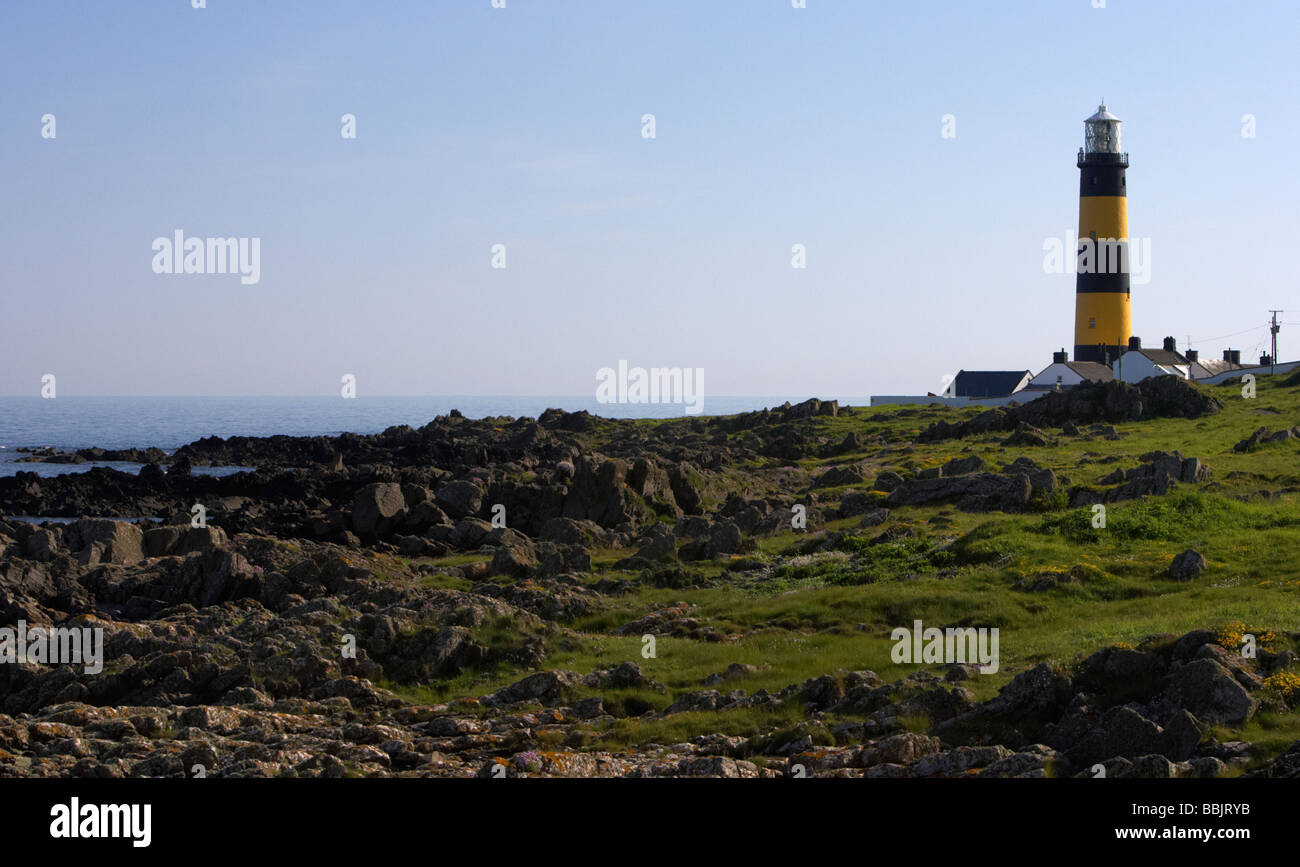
(291, 633)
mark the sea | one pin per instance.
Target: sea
(168, 423)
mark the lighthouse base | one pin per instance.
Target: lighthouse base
(1100, 353)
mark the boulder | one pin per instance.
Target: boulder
(112, 541)
(1121, 731)
(198, 540)
(376, 508)
(459, 499)
(1026, 434)
(977, 492)
(874, 518)
(516, 561)
(887, 481)
(1187, 566)
(568, 531)
(1040, 691)
(903, 748)
(652, 484)
(837, 476)
(856, 503)
(1032, 762)
(43, 544)
(1158, 474)
(547, 687)
(688, 487)
(724, 539)
(1186, 647)
(159, 541)
(599, 493)
(1211, 693)
(1287, 765)
(962, 466)
(658, 543)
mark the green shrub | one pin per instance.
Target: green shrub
(1163, 519)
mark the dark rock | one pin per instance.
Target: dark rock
(117, 541)
(837, 476)
(1187, 566)
(887, 481)
(1026, 434)
(460, 499)
(1208, 690)
(962, 466)
(376, 509)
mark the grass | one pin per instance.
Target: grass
(809, 603)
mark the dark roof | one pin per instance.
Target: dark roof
(987, 383)
(1215, 366)
(1092, 370)
(1162, 356)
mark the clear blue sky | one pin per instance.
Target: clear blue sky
(522, 126)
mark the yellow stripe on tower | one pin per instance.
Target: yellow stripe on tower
(1105, 215)
(1102, 317)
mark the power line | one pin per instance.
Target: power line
(1234, 334)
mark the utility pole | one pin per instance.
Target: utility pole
(1273, 328)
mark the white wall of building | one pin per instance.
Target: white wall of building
(1280, 367)
(1133, 366)
(925, 399)
(1056, 373)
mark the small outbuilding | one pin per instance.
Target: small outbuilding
(987, 383)
(1139, 363)
(1063, 373)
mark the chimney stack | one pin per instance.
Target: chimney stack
(1265, 360)
(1060, 357)
(1171, 345)
(1193, 355)
(1135, 342)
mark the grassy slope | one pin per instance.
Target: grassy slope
(814, 617)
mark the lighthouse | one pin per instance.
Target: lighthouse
(1102, 316)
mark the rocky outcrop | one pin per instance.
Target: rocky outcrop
(360, 606)
(1087, 403)
(1158, 474)
(1264, 436)
(1009, 491)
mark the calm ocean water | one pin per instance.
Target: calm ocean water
(171, 422)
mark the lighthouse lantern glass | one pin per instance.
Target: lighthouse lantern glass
(1101, 136)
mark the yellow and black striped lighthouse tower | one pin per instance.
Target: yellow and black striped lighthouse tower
(1102, 317)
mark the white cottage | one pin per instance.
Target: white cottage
(1139, 363)
(1063, 373)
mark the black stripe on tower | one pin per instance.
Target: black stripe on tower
(1100, 282)
(1103, 175)
(1099, 354)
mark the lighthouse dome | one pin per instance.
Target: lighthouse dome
(1102, 114)
(1101, 132)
